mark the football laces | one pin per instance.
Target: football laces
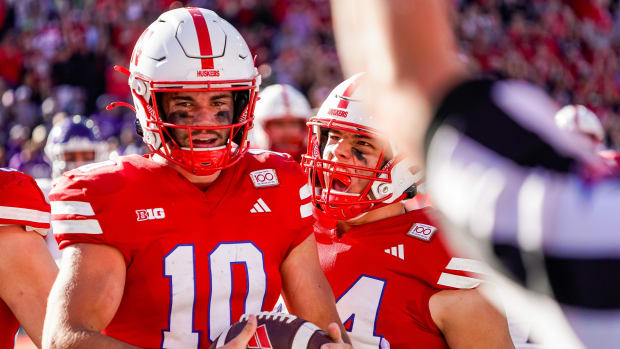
(267, 315)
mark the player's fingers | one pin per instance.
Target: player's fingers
(242, 339)
(333, 330)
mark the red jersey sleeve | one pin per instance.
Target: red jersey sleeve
(73, 217)
(22, 202)
(86, 207)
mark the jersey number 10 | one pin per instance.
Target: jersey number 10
(179, 267)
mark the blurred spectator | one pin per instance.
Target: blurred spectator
(11, 58)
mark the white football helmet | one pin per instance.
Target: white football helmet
(72, 136)
(391, 180)
(279, 101)
(578, 118)
(192, 49)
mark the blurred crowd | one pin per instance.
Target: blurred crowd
(571, 48)
(56, 57)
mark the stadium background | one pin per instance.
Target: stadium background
(56, 57)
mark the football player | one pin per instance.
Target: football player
(27, 270)
(169, 249)
(280, 120)
(71, 143)
(74, 142)
(496, 166)
(395, 283)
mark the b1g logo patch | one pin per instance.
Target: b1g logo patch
(264, 178)
(150, 213)
(422, 231)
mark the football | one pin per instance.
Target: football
(277, 331)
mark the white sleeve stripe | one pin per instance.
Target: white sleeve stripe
(72, 207)
(470, 265)
(305, 191)
(458, 281)
(305, 210)
(83, 226)
(24, 214)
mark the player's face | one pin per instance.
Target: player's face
(286, 135)
(75, 159)
(199, 109)
(352, 149)
(79, 156)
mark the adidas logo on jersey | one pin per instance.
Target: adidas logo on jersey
(150, 213)
(397, 251)
(260, 207)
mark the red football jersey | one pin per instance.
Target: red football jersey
(196, 260)
(383, 274)
(21, 203)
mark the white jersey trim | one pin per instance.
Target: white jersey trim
(458, 281)
(24, 214)
(83, 226)
(305, 210)
(72, 207)
(305, 191)
(469, 265)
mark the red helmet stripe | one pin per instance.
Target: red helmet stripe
(204, 39)
(343, 103)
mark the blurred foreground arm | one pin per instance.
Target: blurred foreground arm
(409, 51)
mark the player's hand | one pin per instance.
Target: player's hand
(333, 330)
(242, 339)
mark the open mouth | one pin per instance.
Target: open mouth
(341, 182)
(205, 142)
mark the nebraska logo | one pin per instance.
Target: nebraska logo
(150, 213)
(260, 339)
(207, 73)
(422, 231)
(264, 178)
(337, 112)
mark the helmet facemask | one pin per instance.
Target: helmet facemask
(344, 190)
(182, 143)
